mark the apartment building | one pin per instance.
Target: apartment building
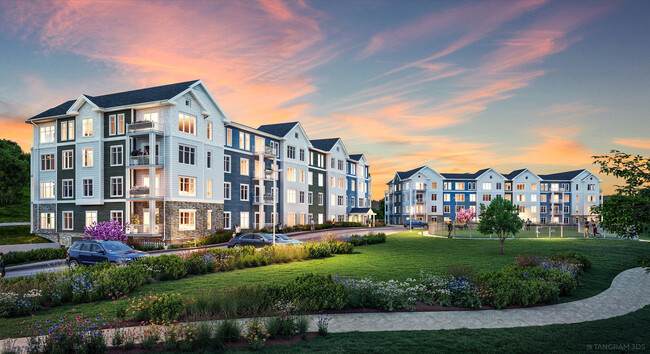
(317, 179)
(337, 154)
(139, 156)
(560, 198)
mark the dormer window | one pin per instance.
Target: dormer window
(296, 135)
(188, 103)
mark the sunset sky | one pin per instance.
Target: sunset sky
(456, 85)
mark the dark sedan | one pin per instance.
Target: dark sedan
(416, 223)
(251, 239)
(92, 252)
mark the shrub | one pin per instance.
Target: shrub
(513, 285)
(340, 247)
(39, 254)
(318, 249)
(255, 336)
(372, 238)
(309, 292)
(227, 331)
(323, 325)
(572, 257)
(165, 267)
(157, 308)
(526, 261)
(203, 335)
(302, 326)
(150, 336)
(182, 336)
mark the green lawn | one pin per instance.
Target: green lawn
(15, 235)
(402, 256)
(630, 330)
(555, 232)
(16, 212)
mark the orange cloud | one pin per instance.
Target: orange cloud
(636, 143)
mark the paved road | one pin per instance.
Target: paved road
(14, 224)
(57, 265)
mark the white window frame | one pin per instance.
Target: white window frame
(244, 162)
(48, 190)
(67, 157)
(47, 134)
(87, 127)
(183, 224)
(208, 189)
(119, 155)
(48, 221)
(115, 183)
(244, 187)
(244, 216)
(208, 159)
(227, 163)
(208, 130)
(184, 118)
(310, 198)
(227, 220)
(186, 154)
(227, 187)
(87, 157)
(64, 131)
(114, 216)
(83, 188)
(63, 220)
(63, 188)
(291, 196)
(91, 216)
(190, 183)
(50, 162)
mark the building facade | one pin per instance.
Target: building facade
(560, 198)
(169, 162)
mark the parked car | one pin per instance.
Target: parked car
(285, 240)
(256, 240)
(93, 251)
(416, 224)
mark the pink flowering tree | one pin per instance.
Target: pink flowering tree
(107, 230)
(465, 215)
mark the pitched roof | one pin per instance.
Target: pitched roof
(59, 110)
(279, 129)
(324, 144)
(514, 173)
(561, 176)
(149, 94)
(360, 211)
(409, 173)
(459, 175)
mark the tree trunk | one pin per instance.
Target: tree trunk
(501, 243)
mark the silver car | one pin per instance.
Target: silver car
(285, 240)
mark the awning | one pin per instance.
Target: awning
(362, 211)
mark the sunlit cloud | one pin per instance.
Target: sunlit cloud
(635, 143)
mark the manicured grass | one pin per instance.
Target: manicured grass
(630, 330)
(402, 256)
(555, 232)
(16, 235)
(16, 212)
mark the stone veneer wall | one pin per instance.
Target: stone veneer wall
(49, 234)
(174, 235)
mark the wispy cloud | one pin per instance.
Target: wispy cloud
(635, 143)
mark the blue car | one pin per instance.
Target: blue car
(256, 240)
(416, 224)
(92, 252)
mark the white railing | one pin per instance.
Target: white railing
(145, 126)
(267, 198)
(266, 150)
(144, 160)
(135, 229)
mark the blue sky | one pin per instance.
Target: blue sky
(458, 85)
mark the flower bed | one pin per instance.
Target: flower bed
(25, 295)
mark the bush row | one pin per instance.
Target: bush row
(39, 254)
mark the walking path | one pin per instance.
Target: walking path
(27, 247)
(14, 224)
(627, 293)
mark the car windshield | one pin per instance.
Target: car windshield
(283, 237)
(113, 246)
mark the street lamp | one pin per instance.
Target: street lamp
(272, 172)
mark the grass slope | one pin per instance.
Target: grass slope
(16, 235)
(16, 212)
(402, 256)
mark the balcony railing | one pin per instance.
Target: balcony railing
(262, 175)
(265, 150)
(135, 229)
(145, 160)
(266, 199)
(145, 127)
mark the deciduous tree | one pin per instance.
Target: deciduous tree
(14, 171)
(501, 218)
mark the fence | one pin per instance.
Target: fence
(533, 231)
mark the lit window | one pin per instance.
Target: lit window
(186, 186)
(243, 167)
(209, 131)
(87, 157)
(291, 174)
(47, 190)
(87, 126)
(186, 123)
(91, 218)
(48, 134)
(186, 219)
(208, 187)
(291, 196)
(47, 220)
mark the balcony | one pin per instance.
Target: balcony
(145, 127)
(145, 161)
(261, 175)
(267, 151)
(266, 199)
(140, 229)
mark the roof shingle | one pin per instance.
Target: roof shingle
(279, 129)
(324, 144)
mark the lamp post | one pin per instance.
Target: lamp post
(272, 172)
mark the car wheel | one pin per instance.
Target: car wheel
(73, 264)
(237, 245)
